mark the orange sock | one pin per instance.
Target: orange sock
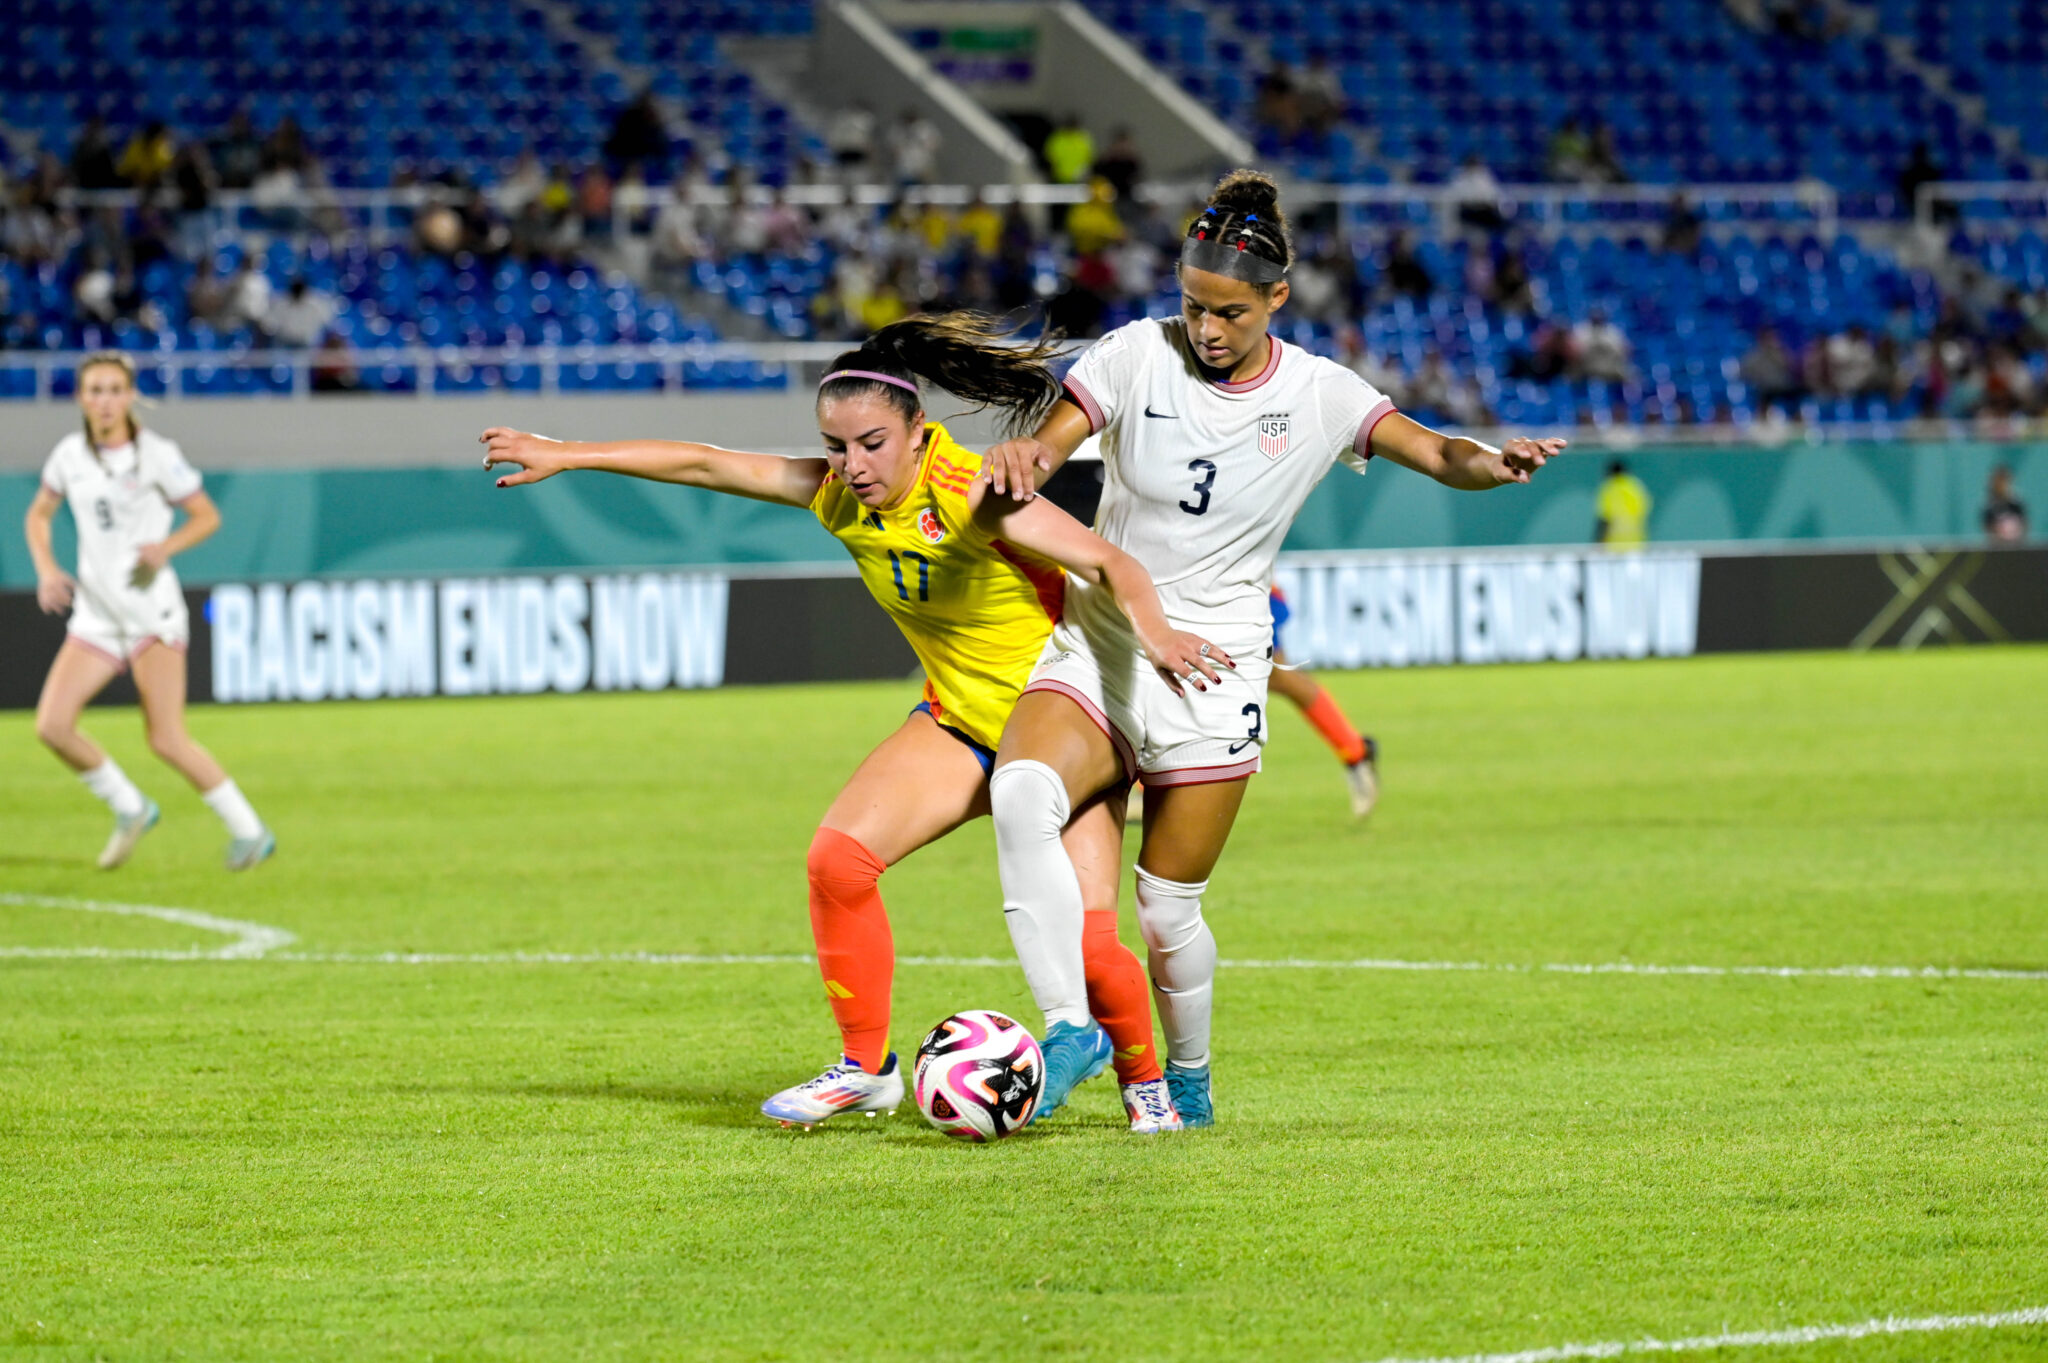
(1119, 998)
(1337, 731)
(856, 952)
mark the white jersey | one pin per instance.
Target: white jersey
(1202, 480)
(121, 499)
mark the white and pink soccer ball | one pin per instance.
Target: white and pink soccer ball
(979, 1075)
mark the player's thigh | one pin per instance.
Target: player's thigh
(159, 672)
(1095, 844)
(78, 674)
(1186, 828)
(919, 784)
(1051, 728)
(1298, 687)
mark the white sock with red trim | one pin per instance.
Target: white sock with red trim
(227, 800)
(1181, 954)
(111, 784)
(1041, 894)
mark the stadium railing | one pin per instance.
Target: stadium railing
(1987, 203)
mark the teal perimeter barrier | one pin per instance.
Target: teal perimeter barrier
(436, 521)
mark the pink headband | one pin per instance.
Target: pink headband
(867, 374)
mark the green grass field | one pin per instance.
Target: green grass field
(268, 1159)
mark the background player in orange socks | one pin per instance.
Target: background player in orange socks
(1358, 752)
(974, 580)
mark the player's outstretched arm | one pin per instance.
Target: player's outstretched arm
(764, 477)
(1455, 461)
(1040, 528)
(1020, 467)
(54, 586)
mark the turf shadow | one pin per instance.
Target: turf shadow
(699, 1105)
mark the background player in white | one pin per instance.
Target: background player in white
(1213, 435)
(127, 610)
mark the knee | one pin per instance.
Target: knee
(1169, 911)
(840, 863)
(55, 730)
(167, 743)
(1027, 800)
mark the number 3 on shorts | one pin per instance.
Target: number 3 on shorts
(1251, 734)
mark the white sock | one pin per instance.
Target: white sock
(1181, 954)
(111, 784)
(227, 800)
(1041, 893)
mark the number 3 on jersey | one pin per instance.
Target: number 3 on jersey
(1203, 486)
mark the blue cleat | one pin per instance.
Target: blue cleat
(246, 852)
(1073, 1056)
(1190, 1089)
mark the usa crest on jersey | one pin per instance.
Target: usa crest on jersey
(1273, 434)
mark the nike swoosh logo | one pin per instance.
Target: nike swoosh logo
(1164, 416)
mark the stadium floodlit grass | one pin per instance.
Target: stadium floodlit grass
(270, 1159)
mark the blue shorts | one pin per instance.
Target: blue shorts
(1281, 614)
(985, 756)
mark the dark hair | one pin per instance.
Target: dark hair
(969, 354)
(1245, 208)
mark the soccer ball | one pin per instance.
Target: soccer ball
(978, 1076)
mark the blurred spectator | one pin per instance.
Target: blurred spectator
(1512, 289)
(1093, 227)
(192, 180)
(594, 201)
(851, 136)
(147, 157)
(1920, 169)
(1565, 158)
(1851, 364)
(1321, 283)
(93, 290)
(1069, 151)
(639, 136)
(1768, 370)
(1381, 372)
(92, 157)
(2005, 515)
(1600, 349)
(1406, 273)
(1548, 356)
(2009, 387)
(1277, 108)
(248, 293)
(332, 371)
(980, 225)
(1682, 226)
(1322, 95)
(1120, 164)
(237, 153)
(1476, 194)
(914, 149)
(1437, 388)
(301, 317)
(1622, 509)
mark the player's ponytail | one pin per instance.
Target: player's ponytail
(969, 354)
(1241, 231)
(115, 359)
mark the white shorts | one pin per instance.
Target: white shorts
(129, 623)
(1161, 738)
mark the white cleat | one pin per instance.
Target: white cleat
(128, 832)
(1364, 778)
(243, 853)
(843, 1087)
(1150, 1108)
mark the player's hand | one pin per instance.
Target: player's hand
(54, 592)
(1012, 468)
(149, 561)
(1519, 458)
(1184, 660)
(537, 456)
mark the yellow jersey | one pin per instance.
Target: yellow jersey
(1624, 504)
(975, 610)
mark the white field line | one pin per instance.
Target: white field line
(252, 940)
(1755, 1339)
(256, 941)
